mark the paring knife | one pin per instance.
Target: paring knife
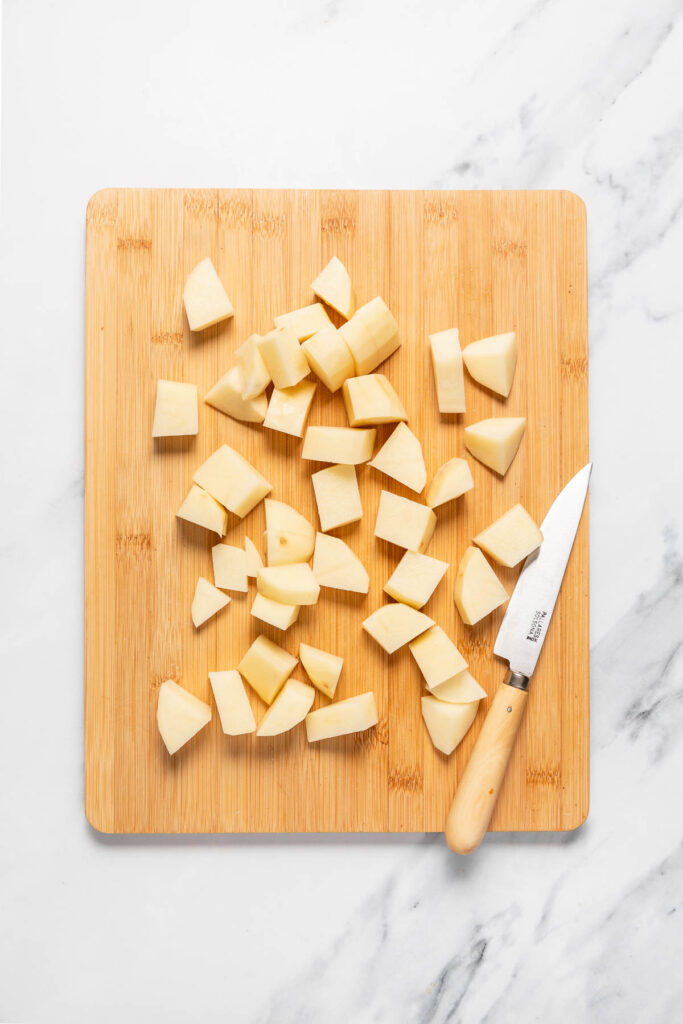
(519, 641)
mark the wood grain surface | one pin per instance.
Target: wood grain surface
(486, 262)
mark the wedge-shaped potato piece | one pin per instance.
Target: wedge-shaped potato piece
(333, 286)
(394, 625)
(289, 584)
(415, 579)
(229, 567)
(495, 442)
(337, 496)
(288, 709)
(447, 723)
(289, 535)
(437, 657)
(371, 400)
(404, 522)
(232, 481)
(459, 689)
(234, 709)
(288, 408)
(450, 481)
(492, 362)
(254, 375)
(355, 714)
(305, 321)
(282, 616)
(322, 668)
(206, 602)
(448, 372)
(335, 565)
(371, 334)
(203, 510)
(345, 445)
(401, 458)
(175, 412)
(180, 715)
(329, 357)
(265, 667)
(511, 538)
(284, 358)
(477, 591)
(226, 396)
(205, 298)
(254, 560)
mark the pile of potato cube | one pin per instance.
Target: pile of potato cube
(302, 342)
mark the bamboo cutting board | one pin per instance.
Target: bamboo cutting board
(486, 262)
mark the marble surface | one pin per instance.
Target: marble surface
(402, 93)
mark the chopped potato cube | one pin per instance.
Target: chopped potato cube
(229, 567)
(394, 625)
(477, 591)
(448, 371)
(284, 358)
(289, 584)
(175, 412)
(495, 442)
(404, 522)
(511, 538)
(415, 579)
(265, 667)
(232, 481)
(234, 709)
(288, 709)
(322, 668)
(254, 375)
(333, 286)
(335, 565)
(371, 334)
(305, 321)
(203, 510)
(437, 657)
(344, 445)
(355, 714)
(337, 496)
(206, 602)
(329, 357)
(492, 362)
(288, 408)
(206, 302)
(446, 723)
(180, 715)
(450, 481)
(401, 458)
(226, 396)
(282, 616)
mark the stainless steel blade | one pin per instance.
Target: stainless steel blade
(523, 630)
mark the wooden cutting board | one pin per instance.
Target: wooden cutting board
(486, 262)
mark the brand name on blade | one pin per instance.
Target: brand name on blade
(536, 627)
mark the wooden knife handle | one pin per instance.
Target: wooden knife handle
(482, 779)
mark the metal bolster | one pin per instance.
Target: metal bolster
(517, 679)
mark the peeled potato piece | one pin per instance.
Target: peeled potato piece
(305, 321)
(333, 286)
(401, 458)
(355, 714)
(203, 510)
(322, 668)
(450, 481)
(288, 709)
(371, 400)
(175, 412)
(447, 723)
(254, 375)
(346, 446)
(289, 584)
(511, 538)
(329, 357)
(415, 579)
(229, 567)
(206, 302)
(265, 667)
(284, 358)
(180, 715)
(495, 442)
(288, 408)
(459, 689)
(337, 496)
(371, 334)
(234, 709)
(206, 602)
(290, 537)
(335, 565)
(492, 362)
(226, 396)
(477, 591)
(404, 522)
(448, 371)
(394, 625)
(437, 657)
(232, 481)
(282, 616)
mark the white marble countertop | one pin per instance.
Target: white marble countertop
(398, 93)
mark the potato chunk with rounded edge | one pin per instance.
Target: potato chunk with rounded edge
(337, 496)
(226, 396)
(492, 362)
(401, 458)
(394, 625)
(322, 668)
(289, 584)
(180, 715)
(333, 286)
(404, 522)
(290, 707)
(265, 666)
(437, 657)
(371, 400)
(450, 481)
(205, 298)
(346, 446)
(495, 442)
(355, 714)
(206, 602)
(447, 723)
(511, 538)
(288, 408)
(477, 591)
(329, 357)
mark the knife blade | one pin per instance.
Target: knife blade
(524, 628)
(519, 640)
